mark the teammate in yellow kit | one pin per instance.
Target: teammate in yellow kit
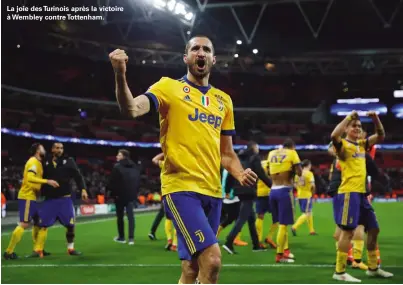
(27, 206)
(197, 125)
(170, 232)
(352, 207)
(263, 207)
(305, 185)
(283, 162)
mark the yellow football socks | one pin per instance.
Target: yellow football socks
(358, 248)
(272, 230)
(341, 261)
(372, 259)
(15, 239)
(302, 219)
(35, 231)
(41, 239)
(281, 238)
(310, 223)
(259, 228)
(168, 229)
(175, 240)
(286, 240)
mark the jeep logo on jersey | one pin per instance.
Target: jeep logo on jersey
(205, 100)
(204, 118)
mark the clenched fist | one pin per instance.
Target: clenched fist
(248, 178)
(372, 114)
(354, 115)
(118, 59)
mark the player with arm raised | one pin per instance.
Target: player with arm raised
(197, 124)
(283, 163)
(352, 206)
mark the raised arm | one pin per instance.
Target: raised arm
(129, 106)
(340, 129)
(379, 135)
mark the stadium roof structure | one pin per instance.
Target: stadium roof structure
(302, 37)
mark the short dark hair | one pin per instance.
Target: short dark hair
(289, 143)
(197, 36)
(124, 152)
(34, 148)
(349, 122)
(305, 163)
(251, 144)
(56, 142)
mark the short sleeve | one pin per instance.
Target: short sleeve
(295, 158)
(32, 166)
(158, 94)
(228, 125)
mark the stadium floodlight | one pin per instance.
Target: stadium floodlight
(171, 5)
(255, 51)
(180, 9)
(358, 100)
(177, 8)
(236, 55)
(398, 93)
(189, 16)
(238, 42)
(143, 62)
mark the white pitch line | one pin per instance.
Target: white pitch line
(82, 223)
(171, 265)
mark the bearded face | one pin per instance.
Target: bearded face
(199, 57)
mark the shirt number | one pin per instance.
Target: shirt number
(278, 158)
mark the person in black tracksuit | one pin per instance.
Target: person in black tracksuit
(124, 186)
(249, 159)
(231, 204)
(58, 204)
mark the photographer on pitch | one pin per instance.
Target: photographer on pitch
(124, 186)
(247, 194)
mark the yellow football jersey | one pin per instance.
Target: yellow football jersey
(192, 119)
(262, 189)
(282, 160)
(304, 183)
(28, 189)
(353, 167)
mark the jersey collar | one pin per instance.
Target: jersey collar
(202, 89)
(354, 143)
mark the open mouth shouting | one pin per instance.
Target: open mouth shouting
(201, 64)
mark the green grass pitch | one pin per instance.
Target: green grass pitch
(146, 262)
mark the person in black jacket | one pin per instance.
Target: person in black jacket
(247, 194)
(57, 204)
(124, 185)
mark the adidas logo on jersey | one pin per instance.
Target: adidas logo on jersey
(187, 98)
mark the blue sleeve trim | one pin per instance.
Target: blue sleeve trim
(228, 132)
(153, 98)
